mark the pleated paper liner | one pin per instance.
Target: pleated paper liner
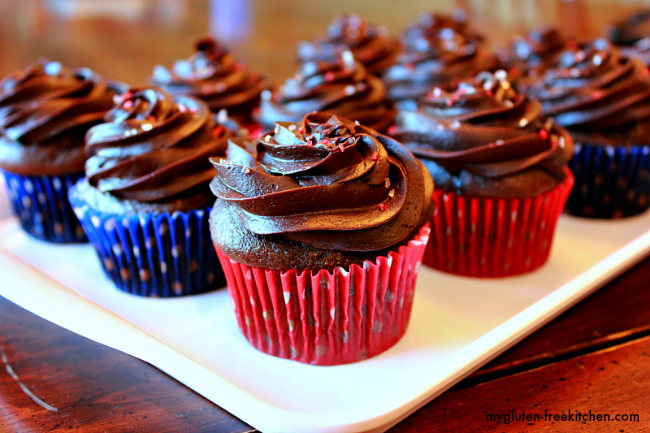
(326, 317)
(41, 203)
(158, 255)
(611, 181)
(489, 238)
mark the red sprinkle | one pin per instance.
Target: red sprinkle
(126, 95)
(152, 119)
(127, 105)
(392, 130)
(310, 143)
(301, 130)
(489, 91)
(206, 89)
(543, 134)
(341, 147)
(450, 102)
(329, 76)
(375, 156)
(598, 94)
(217, 131)
(409, 66)
(382, 207)
(325, 141)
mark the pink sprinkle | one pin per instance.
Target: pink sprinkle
(341, 147)
(217, 131)
(543, 134)
(409, 66)
(324, 141)
(489, 91)
(329, 76)
(310, 143)
(182, 108)
(598, 94)
(375, 156)
(206, 89)
(450, 102)
(382, 206)
(127, 105)
(151, 119)
(392, 130)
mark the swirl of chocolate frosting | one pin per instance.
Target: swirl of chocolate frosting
(430, 23)
(482, 138)
(326, 182)
(632, 29)
(432, 56)
(370, 45)
(593, 87)
(45, 112)
(343, 88)
(533, 53)
(215, 76)
(154, 147)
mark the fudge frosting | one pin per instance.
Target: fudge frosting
(434, 55)
(593, 87)
(154, 147)
(373, 46)
(326, 182)
(214, 75)
(343, 87)
(482, 138)
(45, 111)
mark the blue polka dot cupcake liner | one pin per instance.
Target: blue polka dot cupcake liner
(156, 255)
(610, 181)
(41, 203)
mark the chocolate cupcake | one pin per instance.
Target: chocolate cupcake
(603, 99)
(146, 200)
(45, 112)
(436, 53)
(373, 46)
(499, 169)
(215, 76)
(312, 222)
(343, 88)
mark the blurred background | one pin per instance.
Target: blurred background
(125, 39)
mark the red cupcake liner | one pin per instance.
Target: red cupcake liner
(494, 237)
(326, 317)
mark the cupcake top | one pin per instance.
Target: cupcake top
(632, 29)
(639, 50)
(325, 183)
(370, 45)
(532, 54)
(343, 87)
(482, 138)
(430, 23)
(215, 76)
(45, 112)
(595, 90)
(435, 55)
(152, 152)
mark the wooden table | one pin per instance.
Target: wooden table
(595, 357)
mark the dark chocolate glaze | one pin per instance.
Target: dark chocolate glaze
(325, 184)
(215, 76)
(370, 45)
(482, 138)
(593, 89)
(436, 51)
(45, 112)
(154, 148)
(343, 88)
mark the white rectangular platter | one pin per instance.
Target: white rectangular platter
(457, 325)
